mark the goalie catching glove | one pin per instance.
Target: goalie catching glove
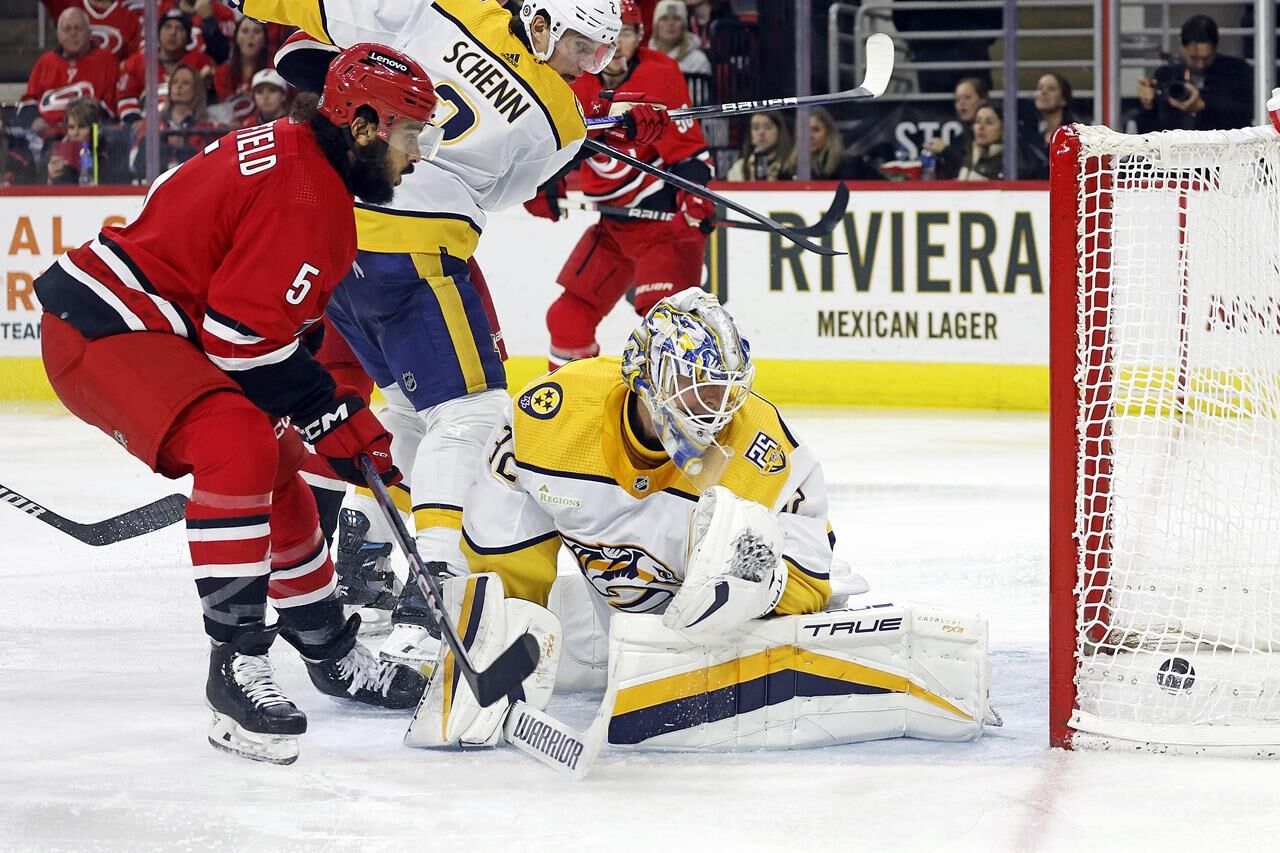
(344, 429)
(735, 571)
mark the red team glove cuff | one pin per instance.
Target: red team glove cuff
(645, 118)
(345, 429)
(695, 208)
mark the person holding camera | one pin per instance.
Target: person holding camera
(1206, 90)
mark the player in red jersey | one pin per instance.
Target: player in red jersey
(75, 69)
(183, 335)
(659, 258)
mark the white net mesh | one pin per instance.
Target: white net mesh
(1178, 488)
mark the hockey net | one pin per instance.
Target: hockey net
(1165, 441)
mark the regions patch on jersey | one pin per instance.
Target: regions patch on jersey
(625, 576)
(766, 454)
(542, 401)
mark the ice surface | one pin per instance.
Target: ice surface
(102, 666)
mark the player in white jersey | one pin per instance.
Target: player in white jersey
(409, 310)
(699, 522)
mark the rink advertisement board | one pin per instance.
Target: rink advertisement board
(939, 298)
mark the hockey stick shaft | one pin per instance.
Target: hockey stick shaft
(711, 195)
(879, 53)
(511, 667)
(127, 525)
(824, 226)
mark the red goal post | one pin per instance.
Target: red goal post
(1165, 440)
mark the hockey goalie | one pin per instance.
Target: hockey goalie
(699, 523)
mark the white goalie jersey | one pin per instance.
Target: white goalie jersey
(509, 122)
(565, 468)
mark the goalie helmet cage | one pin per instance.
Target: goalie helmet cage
(1165, 441)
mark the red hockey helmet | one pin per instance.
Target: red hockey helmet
(391, 84)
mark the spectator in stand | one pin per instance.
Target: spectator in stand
(186, 111)
(828, 159)
(213, 25)
(232, 80)
(1052, 111)
(984, 158)
(17, 165)
(171, 52)
(970, 94)
(1206, 91)
(63, 165)
(766, 153)
(112, 25)
(270, 98)
(703, 13)
(671, 36)
(74, 69)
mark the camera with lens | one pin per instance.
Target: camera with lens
(1175, 85)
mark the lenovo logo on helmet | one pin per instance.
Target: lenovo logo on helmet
(394, 64)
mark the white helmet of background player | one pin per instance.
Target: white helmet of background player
(597, 20)
(692, 368)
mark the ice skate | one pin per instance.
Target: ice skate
(366, 582)
(252, 717)
(414, 640)
(347, 670)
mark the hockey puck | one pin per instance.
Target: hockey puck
(1176, 675)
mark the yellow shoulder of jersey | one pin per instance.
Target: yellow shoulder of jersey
(489, 25)
(762, 449)
(558, 420)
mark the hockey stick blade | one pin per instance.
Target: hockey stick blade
(511, 667)
(127, 525)
(879, 53)
(550, 742)
(514, 665)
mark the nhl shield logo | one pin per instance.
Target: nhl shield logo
(641, 483)
(409, 381)
(766, 454)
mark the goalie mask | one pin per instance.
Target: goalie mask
(692, 369)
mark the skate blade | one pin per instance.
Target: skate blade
(374, 621)
(227, 735)
(413, 647)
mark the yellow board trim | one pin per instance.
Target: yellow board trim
(770, 661)
(455, 319)
(785, 383)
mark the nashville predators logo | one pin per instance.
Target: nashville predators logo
(766, 455)
(627, 577)
(543, 401)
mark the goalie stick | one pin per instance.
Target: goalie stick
(824, 226)
(510, 668)
(879, 53)
(126, 525)
(710, 195)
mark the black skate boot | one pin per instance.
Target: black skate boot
(252, 717)
(345, 669)
(366, 582)
(415, 638)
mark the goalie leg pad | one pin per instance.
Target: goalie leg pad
(487, 623)
(735, 571)
(820, 679)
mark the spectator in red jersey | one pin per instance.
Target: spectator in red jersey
(656, 257)
(270, 97)
(213, 25)
(175, 33)
(186, 112)
(671, 36)
(75, 69)
(766, 153)
(233, 79)
(113, 25)
(17, 165)
(63, 166)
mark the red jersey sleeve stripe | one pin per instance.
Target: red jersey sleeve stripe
(234, 363)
